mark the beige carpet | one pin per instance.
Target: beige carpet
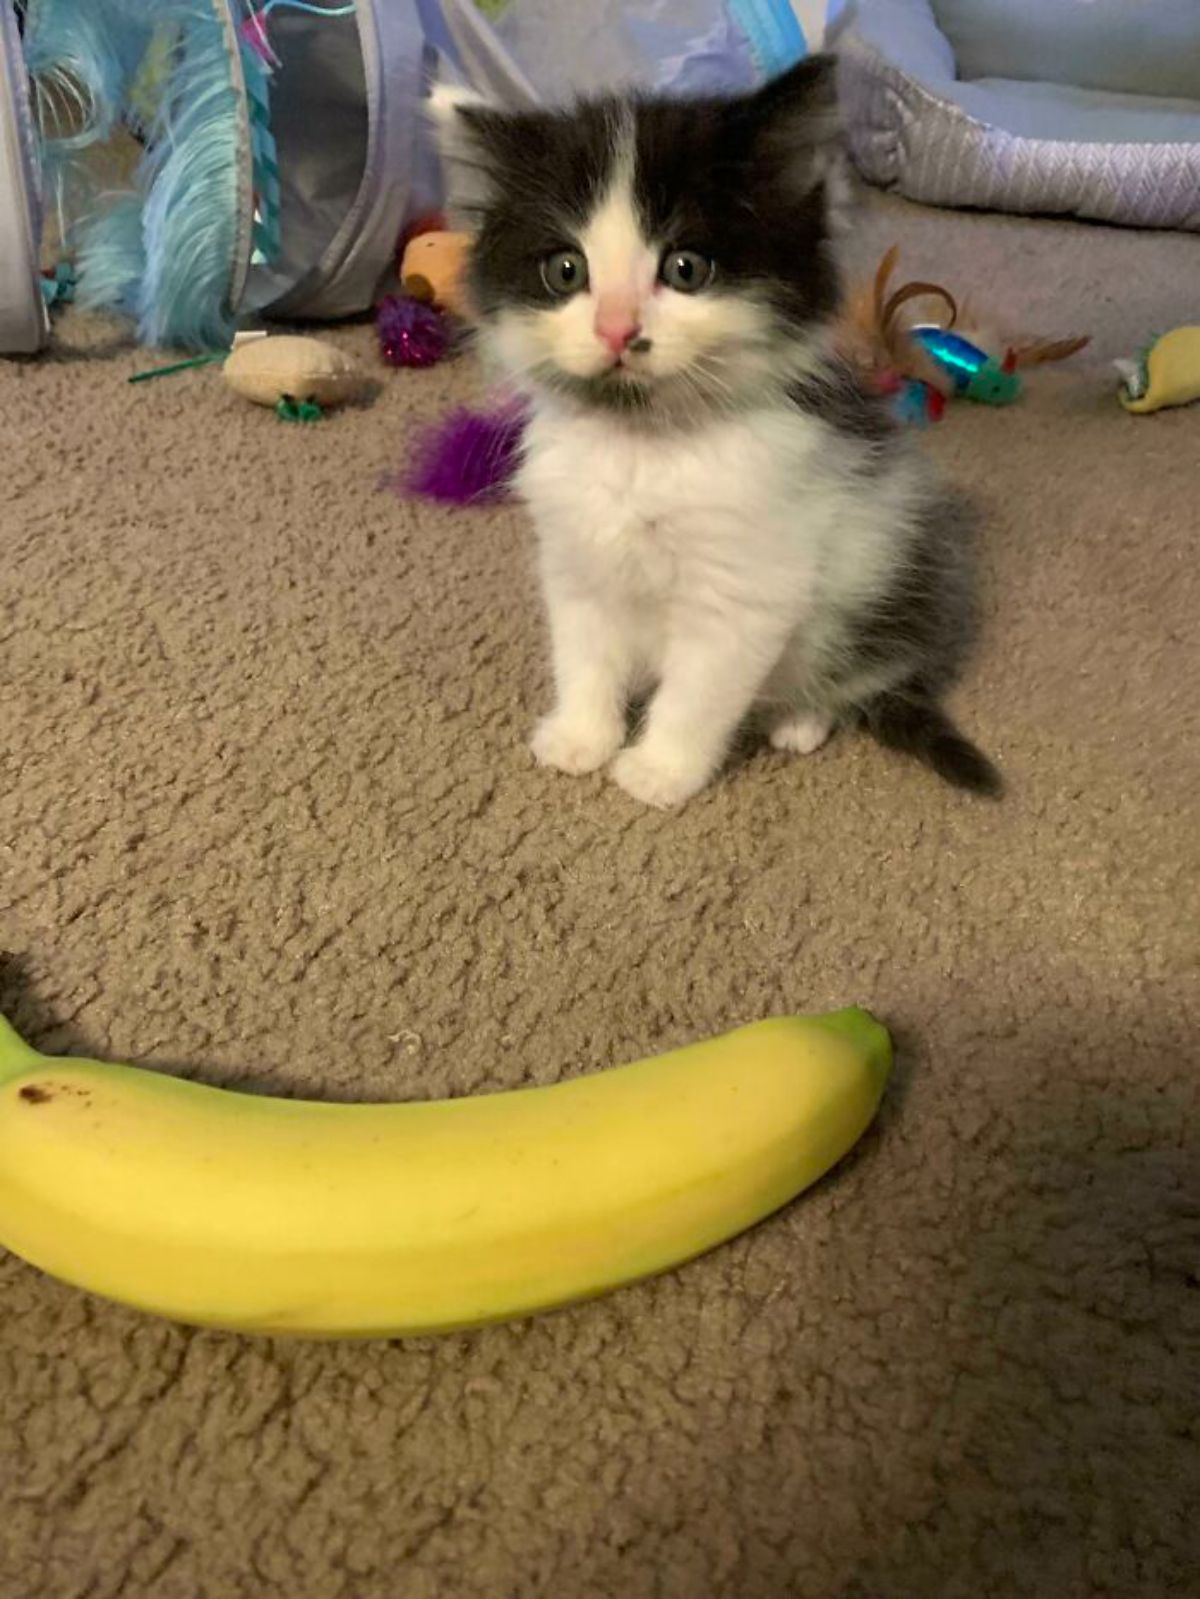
(266, 816)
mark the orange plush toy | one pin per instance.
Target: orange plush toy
(432, 270)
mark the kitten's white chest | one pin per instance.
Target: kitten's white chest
(618, 491)
(645, 512)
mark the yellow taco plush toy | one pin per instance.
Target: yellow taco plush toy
(1166, 373)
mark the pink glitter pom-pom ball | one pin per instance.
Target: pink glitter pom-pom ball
(411, 333)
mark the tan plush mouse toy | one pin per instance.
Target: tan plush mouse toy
(296, 375)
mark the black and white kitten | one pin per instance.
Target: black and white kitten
(727, 521)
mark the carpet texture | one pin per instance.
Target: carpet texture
(267, 817)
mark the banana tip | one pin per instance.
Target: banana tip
(867, 1034)
(16, 1056)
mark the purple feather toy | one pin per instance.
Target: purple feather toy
(468, 458)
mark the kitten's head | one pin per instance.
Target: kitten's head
(651, 257)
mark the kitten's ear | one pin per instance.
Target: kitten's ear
(800, 105)
(465, 125)
(796, 131)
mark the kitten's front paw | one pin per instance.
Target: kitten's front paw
(656, 779)
(802, 735)
(574, 746)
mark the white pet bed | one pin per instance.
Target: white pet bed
(1030, 105)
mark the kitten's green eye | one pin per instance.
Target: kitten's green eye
(685, 270)
(565, 272)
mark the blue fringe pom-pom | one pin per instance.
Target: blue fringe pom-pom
(190, 219)
(81, 56)
(110, 257)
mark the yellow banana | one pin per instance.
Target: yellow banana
(331, 1220)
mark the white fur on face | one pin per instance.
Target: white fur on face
(714, 343)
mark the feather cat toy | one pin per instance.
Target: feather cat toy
(923, 362)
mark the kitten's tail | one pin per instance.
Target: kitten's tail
(915, 724)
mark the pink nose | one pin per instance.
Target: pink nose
(617, 332)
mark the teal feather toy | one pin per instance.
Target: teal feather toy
(922, 364)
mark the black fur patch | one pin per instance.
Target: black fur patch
(729, 179)
(923, 625)
(737, 179)
(925, 620)
(835, 395)
(545, 172)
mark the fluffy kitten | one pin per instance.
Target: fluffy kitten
(726, 520)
